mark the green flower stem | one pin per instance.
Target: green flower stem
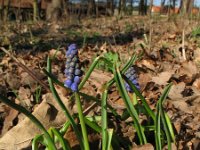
(32, 118)
(61, 104)
(81, 118)
(104, 119)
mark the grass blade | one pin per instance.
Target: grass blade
(87, 75)
(164, 121)
(136, 91)
(169, 124)
(129, 105)
(110, 134)
(158, 128)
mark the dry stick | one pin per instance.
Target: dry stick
(26, 69)
(36, 78)
(183, 44)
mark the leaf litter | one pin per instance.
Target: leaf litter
(156, 68)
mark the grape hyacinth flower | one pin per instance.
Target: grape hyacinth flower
(72, 68)
(132, 76)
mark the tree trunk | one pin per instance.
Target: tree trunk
(123, 7)
(6, 10)
(190, 4)
(65, 8)
(110, 7)
(162, 6)
(174, 5)
(119, 6)
(91, 8)
(54, 10)
(142, 7)
(150, 7)
(35, 10)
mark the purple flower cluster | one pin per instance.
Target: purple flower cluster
(72, 68)
(132, 76)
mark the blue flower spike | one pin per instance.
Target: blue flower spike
(132, 76)
(72, 68)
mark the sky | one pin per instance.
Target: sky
(157, 2)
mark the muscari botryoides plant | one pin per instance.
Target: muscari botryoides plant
(125, 80)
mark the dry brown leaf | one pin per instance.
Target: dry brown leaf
(26, 129)
(143, 147)
(148, 63)
(8, 122)
(24, 96)
(197, 56)
(182, 105)
(98, 78)
(172, 36)
(162, 78)
(13, 80)
(196, 144)
(49, 114)
(188, 68)
(196, 83)
(143, 79)
(176, 90)
(54, 52)
(173, 147)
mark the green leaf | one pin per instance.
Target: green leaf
(163, 118)
(129, 105)
(137, 92)
(110, 134)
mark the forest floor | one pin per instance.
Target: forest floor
(162, 62)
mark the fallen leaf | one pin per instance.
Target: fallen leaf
(172, 148)
(24, 96)
(143, 147)
(181, 105)
(55, 52)
(188, 68)
(143, 79)
(48, 113)
(148, 63)
(196, 143)
(98, 78)
(197, 56)
(162, 78)
(13, 80)
(172, 36)
(196, 83)
(175, 91)
(8, 122)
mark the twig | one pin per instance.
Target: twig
(183, 44)
(26, 69)
(36, 78)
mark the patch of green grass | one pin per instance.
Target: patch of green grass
(196, 32)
